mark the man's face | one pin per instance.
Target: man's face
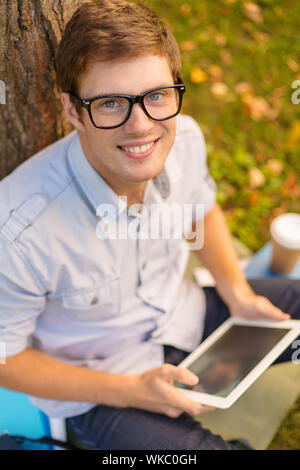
(125, 171)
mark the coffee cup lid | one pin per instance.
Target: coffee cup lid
(285, 230)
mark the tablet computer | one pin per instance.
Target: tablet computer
(233, 356)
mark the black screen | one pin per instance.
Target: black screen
(230, 359)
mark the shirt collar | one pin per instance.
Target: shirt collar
(99, 192)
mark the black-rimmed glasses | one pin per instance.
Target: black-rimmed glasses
(110, 111)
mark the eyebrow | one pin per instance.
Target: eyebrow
(123, 93)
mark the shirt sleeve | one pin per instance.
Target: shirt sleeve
(21, 299)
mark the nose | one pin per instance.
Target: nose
(138, 121)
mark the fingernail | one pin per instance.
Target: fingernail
(193, 379)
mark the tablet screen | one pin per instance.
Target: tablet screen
(230, 359)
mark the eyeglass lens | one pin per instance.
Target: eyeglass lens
(111, 111)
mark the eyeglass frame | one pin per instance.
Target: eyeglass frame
(132, 99)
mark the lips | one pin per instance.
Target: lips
(138, 150)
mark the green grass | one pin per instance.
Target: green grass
(288, 435)
(253, 139)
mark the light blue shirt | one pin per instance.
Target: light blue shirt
(102, 303)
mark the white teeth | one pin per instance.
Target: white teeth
(141, 149)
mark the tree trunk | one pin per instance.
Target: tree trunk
(30, 110)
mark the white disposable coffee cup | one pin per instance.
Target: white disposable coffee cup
(285, 233)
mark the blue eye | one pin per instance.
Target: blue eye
(155, 95)
(108, 103)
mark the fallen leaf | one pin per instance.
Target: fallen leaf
(253, 12)
(185, 9)
(194, 22)
(188, 45)
(259, 36)
(294, 135)
(254, 198)
(292, 64)
(256, 178)
(243, 87)
(216, 71)
(197, 75)
(226, 56)
(290, 186)
(247, 26)
(218, 131)
(276, 166)
(220, 39)
(277, 93)
(275, 99)
(219, 89)
(256, 106)
(259, 157)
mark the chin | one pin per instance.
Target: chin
(145, 174)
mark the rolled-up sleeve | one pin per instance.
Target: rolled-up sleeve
(21, 299)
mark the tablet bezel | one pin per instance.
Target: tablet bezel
(225, 402)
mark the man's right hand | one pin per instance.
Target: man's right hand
(154, 391)
(36, 373)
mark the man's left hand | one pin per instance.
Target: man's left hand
(250, 306)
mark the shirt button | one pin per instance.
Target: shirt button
(144, 265)
(94, 301)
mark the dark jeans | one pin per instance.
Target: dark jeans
(109, 428)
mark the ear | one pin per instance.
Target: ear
(71, 112)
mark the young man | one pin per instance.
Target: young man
(110, 316)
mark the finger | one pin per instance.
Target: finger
(172, 412)
(272, 312)
(278, 316)
(176, 412)
(179, 400)
(206, 409)
(169, 372)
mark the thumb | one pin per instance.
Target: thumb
(273, 312)
(170, 372)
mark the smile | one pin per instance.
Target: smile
(139, 151)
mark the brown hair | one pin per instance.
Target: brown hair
(108, 30)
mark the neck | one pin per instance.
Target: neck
(134, 195)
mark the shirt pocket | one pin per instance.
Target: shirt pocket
(95, 304)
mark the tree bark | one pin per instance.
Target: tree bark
(31, 118)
